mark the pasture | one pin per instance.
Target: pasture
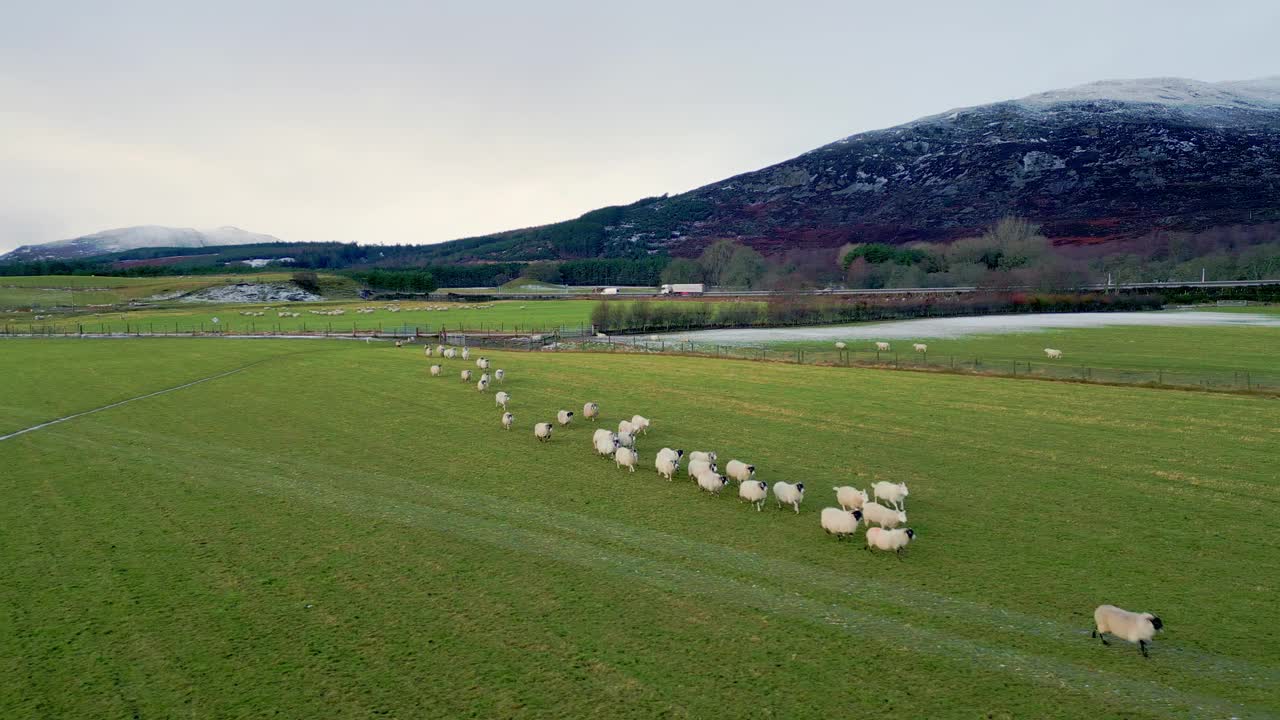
(82, 290)
(332, 532)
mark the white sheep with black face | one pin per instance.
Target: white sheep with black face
(508, 420)
(890, 540)
(788, 494)
(754, 492)
(840, 522)
(1131, 626)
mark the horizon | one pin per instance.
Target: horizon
(352, 127)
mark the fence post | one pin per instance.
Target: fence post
(1248, 381)
(1160, 377)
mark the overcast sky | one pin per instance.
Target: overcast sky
(400, 122)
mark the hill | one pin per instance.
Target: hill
(132, 238)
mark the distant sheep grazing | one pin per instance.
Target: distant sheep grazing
(1053, 354)
(840, 522)
(604, 442)
(626, 457)
(499, 374)
(895, 493)
(640, 423)
(466, 353)
(883, 516)
(920, 347)
(483, 385)
(740, 471)
(1133, 627)
(788, 494)
(882, 346)
(564, 417)
(427, 350)
(591, 411)
(435, 371)
(850, 498)
(889, 540)
(508, 420)
(542, 431)
(466, 376)
(502, 399)
(754, 492)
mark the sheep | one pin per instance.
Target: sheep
(712, 482)
(427, 349)
(502, 399)
(450, 353)
(850, 498)
(436, 370)
(398, 344)
(508, 420)
(640, 423)
(1053, 354)
(754, 492)
(740, 471)
(895, 493)
(626, 439)
(590, 411)
(542, 431)
(677, 453)
(882, 346)
(839, 522)
(466, 353)
(482, 363)
(841, 346)
(889, 540)
(625, 426)
(884, 517)
(499, 374)
(484, 377)
(466, 376)
(698, 466)
(483, 385)
(668, 462)
(605, 442)
(564, 417)
(1133, 627)
(626, 457)
(920, 348)
(440, 349)
(701, 455)
(788, 494)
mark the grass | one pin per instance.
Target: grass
(331, 532)
(81, 290)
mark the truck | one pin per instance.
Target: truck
(683, 289)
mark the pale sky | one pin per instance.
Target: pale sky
(412, 122)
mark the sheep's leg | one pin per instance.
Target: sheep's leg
(797, 507)
(1103, 637)
(1143, 645)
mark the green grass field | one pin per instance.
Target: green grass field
(81, 290)
(331, 532)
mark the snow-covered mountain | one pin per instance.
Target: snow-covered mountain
(130, 238)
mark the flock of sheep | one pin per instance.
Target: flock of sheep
(883, 516)
(881, 346)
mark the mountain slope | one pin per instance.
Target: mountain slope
(130, 238)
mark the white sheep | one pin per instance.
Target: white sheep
(668, 462)
(450, 353)
(625, 426)
(499, 374)
(895, 493)
(484, 377)
(840, 522)
(841, 346)
(605, 442)
(883, 516)
(1053, 354)
(740, 471)
(482, 363)
(502, 399)
(626, 439)
(754, 492)
(699, 466)
(626, 457)
(436, 370)
(850, 498)
(440, 349)
(788, 494)
(889, 540)
(712, 482)
(564, 417)
(640, 423)
(882, 346)
(1133, 627)
(466, 353)
(920, 347)
(590, 411)
(508, 420)
(483, 385)
(701, 455)
(466, 376)
(542, 431)
(427, 349)
(669, 452)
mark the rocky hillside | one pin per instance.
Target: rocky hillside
(132, 238)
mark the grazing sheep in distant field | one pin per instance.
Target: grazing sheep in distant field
(667, 463)
(1131, 626)
(625, 426)
(508, 420)
(883, 516)
(484, 377)
(604, 442)
(427, 350)
(1053, 354)
(542, 431)
(590, 411)
(882, 346)
(440, 349)
(788, 494)
(698, 466)
(701, 455)
(889, 540)
(466, 376)
(754, 492)
(841, 346)
(920, 347)
(450, 353)
(840, 522)
(483, 363)
(399, 344)
(712, 482)
(435, 371)
(499, 374)
(502, 399)
(564, 417)
(740, 471)
(626, 457)
(483, 385)
(466, 353)
(640, 424)
(895, 493)
(626, 439)
(850, 498)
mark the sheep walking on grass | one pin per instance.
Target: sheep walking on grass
(788, 494)
(889, 540)
(712, 482)
(466, 353)
(427, 350)
(920, 347)
(604, 442)
(841, 346)
(702, 455)
(895, 493)
(754, 492)
(640, 423)
(591, 411)
(1134, 627)
(435, 370)
(499, 374)
(626, 457)
(508, 420)
(1053, 354)
(840, 522)
(466, 376)
(483, 385)
(564, 417)
(740, 471)
(882, 346)
(885, 517)
(542, 431)
(668, 462)
(698, 466)
(502, 399)
(850, 498)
